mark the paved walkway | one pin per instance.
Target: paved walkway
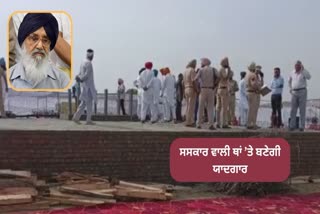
(60, 125)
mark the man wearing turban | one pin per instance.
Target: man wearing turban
(60, 56)
(225, 73)
(168, 93)
(190, 91)
(37, 37)
(206, 76)
(88, 93)
(140, 91)
(146, 83)
(254, 82)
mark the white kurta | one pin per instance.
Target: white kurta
(243, 103)
(139, 96)
(146, 83)
(88, 90)
(168, 91)
(156, 94)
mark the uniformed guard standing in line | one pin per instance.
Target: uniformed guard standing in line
(224, 75)
(206, 98)
(254, 82)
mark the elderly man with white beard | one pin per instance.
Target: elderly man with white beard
(37, 36)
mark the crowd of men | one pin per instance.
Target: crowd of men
(209, 95)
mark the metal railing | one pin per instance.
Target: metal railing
(48, 104)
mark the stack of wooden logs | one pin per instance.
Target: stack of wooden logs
(22, 190)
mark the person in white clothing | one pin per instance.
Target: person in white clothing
(88, 90)
(168, 93)
(156, 93)
(298, 89)
(139, 93)
(146, 83)
(243, 100)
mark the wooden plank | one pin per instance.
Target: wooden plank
(81, 202)
(18, 191)
(55, 193)
(89, 186)
(139, 186)
(316, 180)
(135, 193)
(12, 173)
(169, 196)
(69, 176)
(107, 191)
(91, 193)
(15, 199)
(36, 206)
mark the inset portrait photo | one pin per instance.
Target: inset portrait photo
(39, 51)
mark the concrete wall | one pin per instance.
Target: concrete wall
(134, 156)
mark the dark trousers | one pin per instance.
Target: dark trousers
(196, 108)
(178, 111)
(122, 107)
(276, 103)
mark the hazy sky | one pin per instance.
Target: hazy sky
(126, 33)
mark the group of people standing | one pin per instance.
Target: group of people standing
(251, 87)
(210, 95)
(213, 89)
(151, 90)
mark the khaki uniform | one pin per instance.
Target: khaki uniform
(223, 96)
(190, 94)
(254, 84)
(206, 98)
(233, 88)
(2, 77)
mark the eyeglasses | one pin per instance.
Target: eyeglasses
(34, 39)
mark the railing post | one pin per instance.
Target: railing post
(70, 103)
(106, 102)
(95, 108)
